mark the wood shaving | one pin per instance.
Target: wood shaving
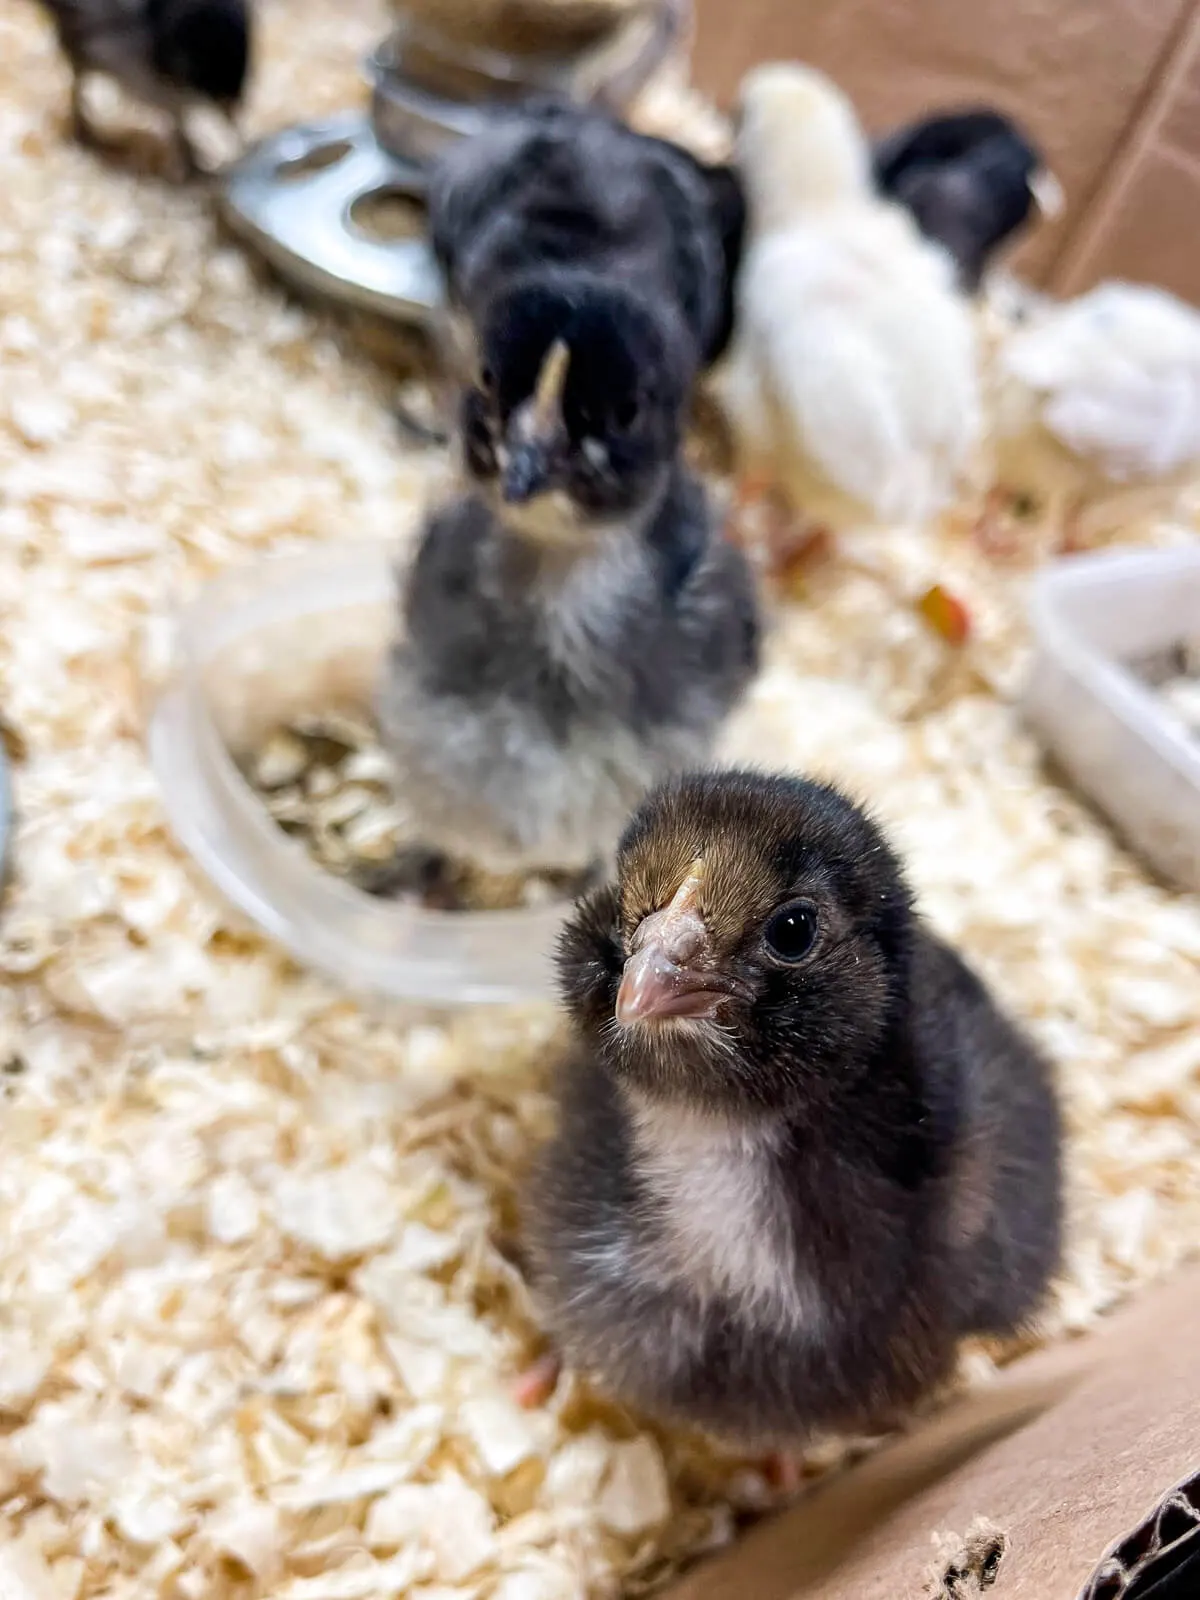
(967, 1566)
(326, 781)
(1174, 673)
(258, 1321)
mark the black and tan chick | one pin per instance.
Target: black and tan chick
(801, 1152)
(573, 628)
(972, 181)
(557, 185)
(170, 54)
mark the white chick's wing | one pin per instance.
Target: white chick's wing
(832, 384)
(738, 386)
(880, 386)
(1119, 375)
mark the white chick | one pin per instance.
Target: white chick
(853, 382)
(1103, 390)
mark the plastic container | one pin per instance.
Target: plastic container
(257, 647)
(427, 91)
(429, 88)
(1092, 616)
(415, 112)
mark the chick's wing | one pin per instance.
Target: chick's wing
(871, 362)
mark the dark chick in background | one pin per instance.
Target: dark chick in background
(573, 629)
(972, 181)
(170, 54)
(556, 185)
(801, 1152)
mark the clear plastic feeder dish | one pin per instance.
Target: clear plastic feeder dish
(1094, 618)
(260, 646)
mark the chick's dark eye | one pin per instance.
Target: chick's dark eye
(487, 380)
(791, 932)
(625, 414)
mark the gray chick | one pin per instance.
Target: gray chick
(573, 629)
(557, 185)
(801, 1152)
(167, 53)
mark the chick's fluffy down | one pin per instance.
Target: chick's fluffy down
(853, 384)
(1112, 378)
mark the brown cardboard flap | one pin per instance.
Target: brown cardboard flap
(1108, 88)
(1063, 1456)
(1143, 218)
(1075, 73)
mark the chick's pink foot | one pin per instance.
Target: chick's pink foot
(537, 1383)
(784, 1473)
(777, 538)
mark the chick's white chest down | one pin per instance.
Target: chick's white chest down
(721, 1214)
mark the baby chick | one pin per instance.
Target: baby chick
(1099, 392)
(852, 381)
(573, 628)
(577, 414)
(727, 203)
(167, 53)
(971, 180)
(556, 184)
(801, 1153)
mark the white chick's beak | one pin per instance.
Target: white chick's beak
(667, 973)
(1048, 193)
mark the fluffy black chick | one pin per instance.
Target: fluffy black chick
(167, 53)
(971, 180)
(577, 413)
(801, 1153)
(555, 185)
(549, 669)
(727, 208)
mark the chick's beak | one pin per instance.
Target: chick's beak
(535, 431)
(667, 973)
(526, 473)
(1047, 193)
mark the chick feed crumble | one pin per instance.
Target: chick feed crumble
(259, 1320)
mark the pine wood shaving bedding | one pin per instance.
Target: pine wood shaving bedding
(258, 1327)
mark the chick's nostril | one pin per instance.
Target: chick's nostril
(679, 936)
(683, 939)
